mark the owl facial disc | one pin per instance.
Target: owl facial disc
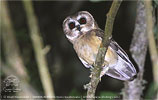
(78, 24)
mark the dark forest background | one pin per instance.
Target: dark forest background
(67, 72)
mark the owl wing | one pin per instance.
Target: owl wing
(85, 63)
(115, 46)
(99, 33)
(123, 69)
(122, 54)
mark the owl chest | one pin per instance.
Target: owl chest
(87, 49)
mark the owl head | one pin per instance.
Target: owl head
(78, 24)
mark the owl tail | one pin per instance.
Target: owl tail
(123, 69)
(122, 73)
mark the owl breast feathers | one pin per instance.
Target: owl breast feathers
(85, 35)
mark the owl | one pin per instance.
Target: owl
(83, 32)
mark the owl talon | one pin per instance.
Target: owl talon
(100, 79)
(106, 69)
(105, 63)
(103, 72)
(90, 75)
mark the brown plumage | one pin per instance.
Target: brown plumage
(85, 35)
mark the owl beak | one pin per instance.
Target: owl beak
(78, 27)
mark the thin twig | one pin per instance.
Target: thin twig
(102, 50)
(152, 44)
(38, 47)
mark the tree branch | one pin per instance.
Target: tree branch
(13, 61)
(134, 89)
(38, 47)
(152, 44)
(11, 48)
(102, 51)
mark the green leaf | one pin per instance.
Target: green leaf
(151, 91)
(74, 92)
(156, 2)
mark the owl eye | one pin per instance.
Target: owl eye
(71, 25)
(82, 20)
